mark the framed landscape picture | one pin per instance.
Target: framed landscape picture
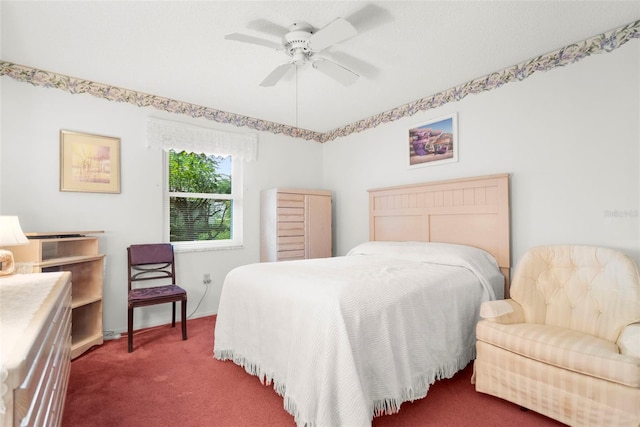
(434, 142)
(89, 163)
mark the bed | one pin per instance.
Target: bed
(348, 338)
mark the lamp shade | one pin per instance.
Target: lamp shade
(10, 231)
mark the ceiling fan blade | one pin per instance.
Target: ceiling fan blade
(268, 27)
(336, 71)
(253, 40)
(336, 31)
(370, 17)
(277, 74)
(365, 69)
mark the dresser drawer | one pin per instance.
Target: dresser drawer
(290, 255)
(293, 243)
(290, 214)
(290, 200)
(290, 229)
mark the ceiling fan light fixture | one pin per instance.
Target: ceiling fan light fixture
(299, 57)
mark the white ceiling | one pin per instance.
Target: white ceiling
(404, 51)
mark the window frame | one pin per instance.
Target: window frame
(236, 196)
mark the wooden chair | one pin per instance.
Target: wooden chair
(154, 262)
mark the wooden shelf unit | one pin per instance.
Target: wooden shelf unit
(78, 253)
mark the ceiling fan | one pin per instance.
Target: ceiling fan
(302, 42)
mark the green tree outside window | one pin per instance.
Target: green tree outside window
(200, 203)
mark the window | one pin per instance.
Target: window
(203, 192)
(204, 200)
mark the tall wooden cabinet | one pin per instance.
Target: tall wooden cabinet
(77, 252)
(295, 224)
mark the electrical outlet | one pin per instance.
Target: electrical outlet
(206, 278)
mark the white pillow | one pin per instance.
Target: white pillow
(479, 261)
(441, 253)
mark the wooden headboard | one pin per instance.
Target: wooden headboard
(468, 211)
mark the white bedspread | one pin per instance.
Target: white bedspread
(345, 339)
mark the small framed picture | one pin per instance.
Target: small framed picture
(434, 142)
(89, 163)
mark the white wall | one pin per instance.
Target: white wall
(29, 187)
(569, 138)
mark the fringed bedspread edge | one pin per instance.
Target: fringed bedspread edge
(387, 406)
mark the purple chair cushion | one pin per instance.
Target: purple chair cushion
(158, 292)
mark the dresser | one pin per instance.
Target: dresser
(295, 224)
(35, 356)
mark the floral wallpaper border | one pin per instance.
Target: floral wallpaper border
(605, 42)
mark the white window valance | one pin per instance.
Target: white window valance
(169, 135)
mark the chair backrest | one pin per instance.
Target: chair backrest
(589, 289)
(153, 261)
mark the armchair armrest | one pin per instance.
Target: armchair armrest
(502, 311)
(629, 340)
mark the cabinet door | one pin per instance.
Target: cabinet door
(317, 226)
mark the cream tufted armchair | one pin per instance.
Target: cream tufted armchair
(567, 343)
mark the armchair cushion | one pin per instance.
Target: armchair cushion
(565, 348)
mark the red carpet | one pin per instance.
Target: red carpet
(170, 382)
